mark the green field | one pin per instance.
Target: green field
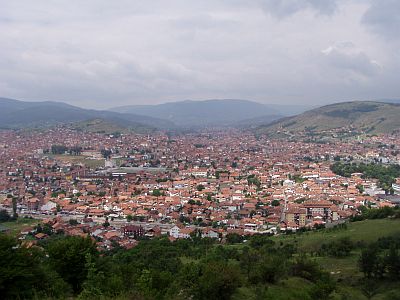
(15, 227)
(345, 270)
(367, 231)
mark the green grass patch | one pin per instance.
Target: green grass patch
(366, 231)
(341, 268)
(15, 227)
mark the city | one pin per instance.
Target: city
(213, 183)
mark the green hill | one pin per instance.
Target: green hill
(23, 114)
(363, 116)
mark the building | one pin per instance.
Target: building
(133, 231)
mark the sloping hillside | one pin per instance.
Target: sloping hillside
(363, 116)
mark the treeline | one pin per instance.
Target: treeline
(385, 174)
(72, 267)
(381, 259)
(61, 149)
(64, 267)
(377, 213)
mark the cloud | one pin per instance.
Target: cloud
(284, 8)
(104, 53)
(383, 18)
(347, 57)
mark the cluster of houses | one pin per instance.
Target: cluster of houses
(207, 184)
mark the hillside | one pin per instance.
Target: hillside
(363, 116)
(21, 114)
(224, 112)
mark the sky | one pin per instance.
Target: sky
(101, 53)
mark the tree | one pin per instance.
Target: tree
(209, 198)
(67, 257)
(129, 218)
(393, 262)
(248, 260)
(73, 222)
(370, 262)
(157, 193)
(234, 238)
(4, 216)
(218, 281)
(24, 274)
(58, 149)
(14, 207)
(93, 283)
(275, 202)
(200, 187)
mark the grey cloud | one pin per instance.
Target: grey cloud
(284, 8)
(383, 18)
(345, 56)
(107, 53)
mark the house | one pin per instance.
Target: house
(49, 206)
(33, 203)
(174, 232)
(179, 233)
(133, 231)
(210, 233)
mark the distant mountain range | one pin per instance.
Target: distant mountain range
(20, 114)
(220, 112)
(367, 116)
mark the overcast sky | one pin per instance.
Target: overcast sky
(104, 53)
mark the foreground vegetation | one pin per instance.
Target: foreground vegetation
(359, 260)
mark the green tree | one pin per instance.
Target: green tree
(4, 216)
(68, 257)
(24, 273)
(275, 202)
(92, 286)
(370, 262)
(234, 238)
(393, 262)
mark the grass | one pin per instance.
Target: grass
(366, 231)
(342, 269)
(17, 226)
(345, 268)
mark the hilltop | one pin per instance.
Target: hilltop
(363, 116)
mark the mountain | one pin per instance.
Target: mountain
(19, 114)
(256, 122)
(224, 112)
(396, 101)
(366, 116)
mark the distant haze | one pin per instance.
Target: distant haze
(101, 54)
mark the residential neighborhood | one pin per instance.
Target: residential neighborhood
(120, 188)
